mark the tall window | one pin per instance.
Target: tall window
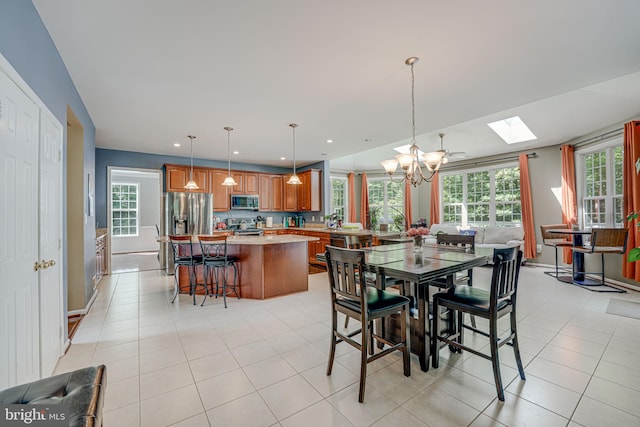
(602, 188)
(339, 196)
(481, 198)
(386, 202)
(124, 209)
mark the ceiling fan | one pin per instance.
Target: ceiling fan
(451, 155)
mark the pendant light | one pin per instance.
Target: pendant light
(229, 181)
(191, 185)
(294, 178)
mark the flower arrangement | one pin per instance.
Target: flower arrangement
(420, 231)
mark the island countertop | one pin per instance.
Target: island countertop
(256, 240)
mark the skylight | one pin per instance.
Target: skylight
(512, 130)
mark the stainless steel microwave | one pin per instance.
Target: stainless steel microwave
(245, 201)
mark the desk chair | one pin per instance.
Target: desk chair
(491, 305)
(216, 261)
(555, 241)
(603, 241)
(353, 296)
(183, 256)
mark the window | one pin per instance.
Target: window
(481, 198)
(124, 209)
(339, 197)
(386, 203)
(602, 188)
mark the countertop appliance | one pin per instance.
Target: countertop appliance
(245, 201)
(183, 213)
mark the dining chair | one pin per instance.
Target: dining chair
(461, 241)
(354, 297)
(493, 304)
(216, 263)
(603, 241)
(555, 241)
(353, 242)
(184, 256)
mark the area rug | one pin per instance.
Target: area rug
(621, 307)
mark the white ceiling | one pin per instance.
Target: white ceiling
(152, 71)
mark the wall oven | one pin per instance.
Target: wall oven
(245, 201)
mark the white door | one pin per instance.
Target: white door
(19, 299)
(51, 317)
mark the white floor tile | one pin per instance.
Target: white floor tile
(155, 352)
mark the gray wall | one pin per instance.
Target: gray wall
(26, 44)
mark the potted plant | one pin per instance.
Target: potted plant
(634, 254)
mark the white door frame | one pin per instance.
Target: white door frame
(110, 170)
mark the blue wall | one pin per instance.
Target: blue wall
(129, 159)
(26, 44)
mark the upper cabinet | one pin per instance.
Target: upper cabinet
(247, 182)
(310, 192)
(270, 192)
(290, 195)
(275, 194)
(177, 177)
(221, 193)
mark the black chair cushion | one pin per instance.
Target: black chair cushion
(469, 296)
(377, 300)
(81, 392)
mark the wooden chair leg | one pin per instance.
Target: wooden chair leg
(495, 360)
(363, 359)
(406, 337)
(516, 346)
(435, 354)
(332, 349)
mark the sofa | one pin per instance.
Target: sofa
(486, 237)
(77, 395)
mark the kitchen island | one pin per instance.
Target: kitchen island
(268, 266)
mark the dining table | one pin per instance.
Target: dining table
(578, 276)
(418, 270)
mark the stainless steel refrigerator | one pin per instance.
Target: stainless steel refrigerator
(183, 213)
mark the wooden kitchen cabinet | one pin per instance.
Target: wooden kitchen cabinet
(265, 192)
(290, 193)
(248, 183)
(177, 176)
(221, 198)
(270, 193)
(251, 183)
(277, 196)
(310, 192)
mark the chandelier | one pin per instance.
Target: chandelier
(410, 162)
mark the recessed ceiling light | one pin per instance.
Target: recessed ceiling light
(329, 141)
(283, 158)
(323, 154)
(176, 145)
(236, 152)
(512, 130)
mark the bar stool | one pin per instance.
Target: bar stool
(555, 241)
(216, 260)
(183, 256)
(603, 241)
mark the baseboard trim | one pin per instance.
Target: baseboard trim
(618, 283)
(83, 311)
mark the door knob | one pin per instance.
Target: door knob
(50, 263)
(39, 265)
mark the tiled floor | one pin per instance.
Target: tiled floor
(262, 363)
